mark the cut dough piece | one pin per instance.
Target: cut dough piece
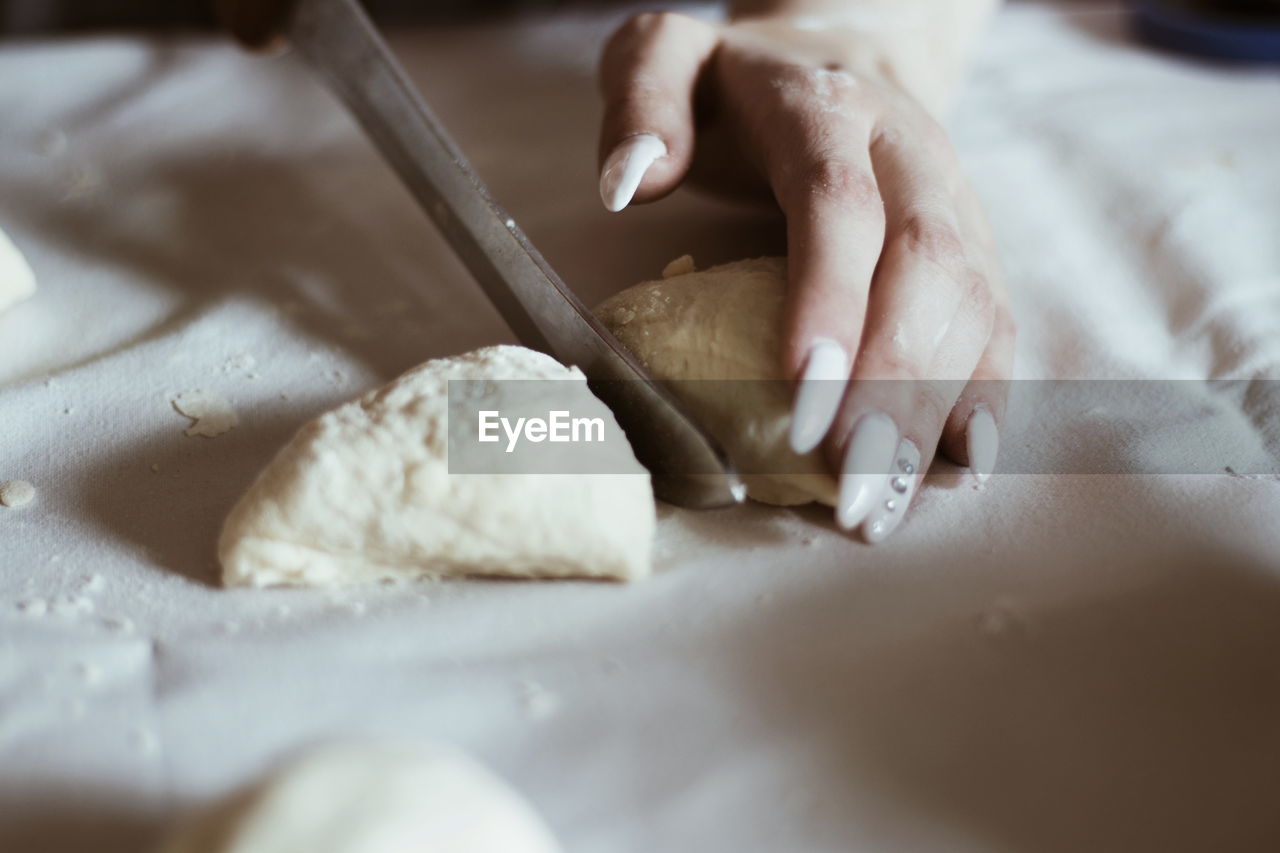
(17, 281)
(725, 323)
(364, 493)
(370, 798)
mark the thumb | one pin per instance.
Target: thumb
(648, 73)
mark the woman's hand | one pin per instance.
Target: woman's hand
(893, 273)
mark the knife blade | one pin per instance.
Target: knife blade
(340, 42)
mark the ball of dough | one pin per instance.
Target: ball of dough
(17, 281)
(725, 324)
(370, 798)
(364, 493)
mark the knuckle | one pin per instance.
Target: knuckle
(933, 240)
(978, 296)
(1004, 326)
(894, 364)
(933, 404)
(837, 180)
(630, 40)
(653, 24)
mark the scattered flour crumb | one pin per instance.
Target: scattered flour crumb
(211, 414)
(34, 607)
(91, 583)
(538, 701)
(16, 493)
(243, 361)
(69, 410)
(1002, 619)
(682, 265)
(69, 606)
(1239, 476)
(119, 624)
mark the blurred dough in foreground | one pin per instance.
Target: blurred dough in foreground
(17, 281)
(370, 798)
(364, 493)
(725, 324)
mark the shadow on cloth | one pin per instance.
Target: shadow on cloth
(58, 825)
(174, 510)
(1134, 712)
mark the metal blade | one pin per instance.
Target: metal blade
(689, 467)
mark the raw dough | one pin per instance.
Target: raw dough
(725, 323)
(371, 798)
(17, 281)
(212, 415)
(16, 493)
(364, 493)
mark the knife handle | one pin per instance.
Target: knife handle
(256, 24)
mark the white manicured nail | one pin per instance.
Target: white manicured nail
(866, 468)
(626, 167)
(886, 515)
(826, 373)
(983, 440)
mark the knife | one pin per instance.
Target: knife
(338, 40)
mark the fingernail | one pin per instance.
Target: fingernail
(983, 440)
(626, 166)
(866, 468)
(886, 515)
(826, 373)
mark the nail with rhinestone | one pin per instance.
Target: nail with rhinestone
(896, 498)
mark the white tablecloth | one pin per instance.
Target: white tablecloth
(1049, 664)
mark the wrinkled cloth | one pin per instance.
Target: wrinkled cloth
(1049, 662)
